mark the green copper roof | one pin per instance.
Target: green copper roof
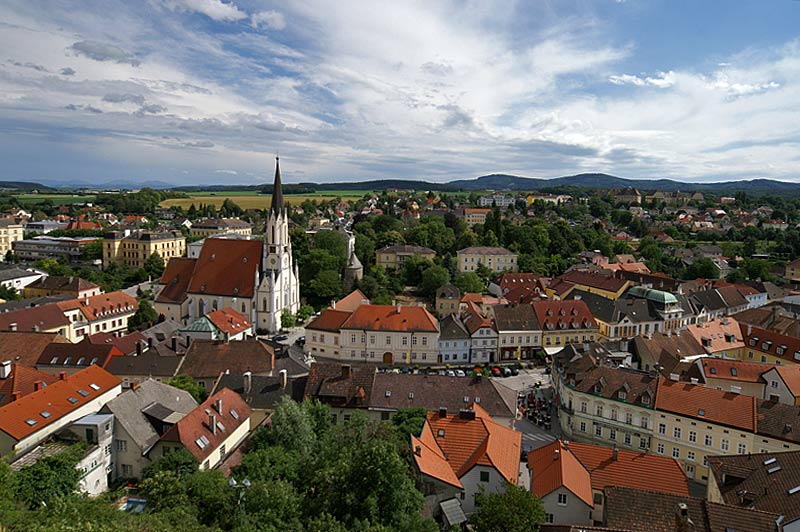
(656, 296)
(200, 325)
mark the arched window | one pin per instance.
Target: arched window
(244, 308)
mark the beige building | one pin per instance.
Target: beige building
(218, 226)
(393, 257)
(475, 216)
(496, 259)
(133, 249)
(10, 232)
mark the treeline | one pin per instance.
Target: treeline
(144, 202)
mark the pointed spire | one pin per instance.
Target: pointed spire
(277, 190)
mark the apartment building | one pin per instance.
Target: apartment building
(134, 248)
(10, 232)
(48, 247)
(218, 226)
(496, 259)
(475, 216)
(518, 330)
(565, 322)
(393, 257)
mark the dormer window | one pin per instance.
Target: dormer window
(440, 433)
(713, 371)
(622, 395)
(645, 399)
(753, 341)
(734, 372)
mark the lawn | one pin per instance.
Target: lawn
(57, 199)
(253, 200)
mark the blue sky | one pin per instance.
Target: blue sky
(207, 91)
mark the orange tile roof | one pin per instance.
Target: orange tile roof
(329, 320)
(733, 370)
(21, 381)
(227, 267)
(195, 424)
(791, 377)
(469, 442)
(351, 301)
(34, 319)
(102, 306)
(631, 469)
(54, 399)
(26, 347)
(430, 459)
(553, 466)
(399, 318)
(768, 341)
(721, 333)
(229, 321)
(698, 402)
(175, 280)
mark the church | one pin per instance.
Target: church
(257, 278)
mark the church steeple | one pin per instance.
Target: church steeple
(277, 190)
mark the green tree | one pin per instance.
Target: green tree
(187, 383)
(50, 479)
(305, 312)
(154, 265)
(409, 421)
(181, 462)
(469, 282)
(515, 510)
(92, 250)
(702, 269)
(144, 317)
(288, 319)
(326, 286)
(9, 293)
(433, 278)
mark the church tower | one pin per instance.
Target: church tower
(279, 290)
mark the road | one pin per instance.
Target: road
(533, 436)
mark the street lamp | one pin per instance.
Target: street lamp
(240, 487)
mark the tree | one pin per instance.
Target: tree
(154, 265)
(92, 250)
(702, 269)
(146, 315)
(288, 319)
(50, 479)
(409, 421)
(305, 312)
(433, 278)
(9, 293)
(326, 286)
(469, 282)
(515, 510)
(180, 462)
(188, 384)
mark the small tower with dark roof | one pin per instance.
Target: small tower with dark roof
(353, 272)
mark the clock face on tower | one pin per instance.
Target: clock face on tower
(272, 261)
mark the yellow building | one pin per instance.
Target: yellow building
(495, 258)
(218, 226)
(565, 322)
(793, 270)
(769, 347)
(393, 257)
(133, 249)
(10, 231)
(475, 216)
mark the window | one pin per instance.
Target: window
(676, 433)
(628, 418)
(562, 499)
(724, 444)
(774, 384)
(627, 438)
(612, 434)
(388, 340)
(614, 414)
(599, 410)
(583, 426)
(353, 338)
(405, 340)
(660, 448)
(709, 440)
(690, 455)
(584, 406)
(550, 518)
(662, 428)
(598, 430)
(692, 436)
(484, 476)
(642, 443)
(122, 445)
(127, 470)
(644, 422)
(676, 453)
(222, 451)
(741, 448)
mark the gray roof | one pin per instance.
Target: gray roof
(160, 361)
(6, 274)
(264, 392)
(451, 328)
(515, 317)
(128, 409)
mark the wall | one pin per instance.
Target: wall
(473, 485)
(575, 512)
(776, 386)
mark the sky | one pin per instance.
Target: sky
(209, 91)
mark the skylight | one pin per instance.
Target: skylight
(94, 387)
(72, 400)
(770, 461)
(794, 490)
(200, 443)
(701, 412)
(773, 469)
(45, 414)
(30, 422)
(234, 414)
(83, 392)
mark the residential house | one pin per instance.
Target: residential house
(225, 324)
(483, 335)
(160, 362)
(211, 432)
(460, 455)
(484, 302)
(10, 232)
(141, 416)
(447, 300)
(565, 322)
(570, 478)
(733, 375)
(627, 195)
(768, 346)
(667, 353)
(508, 285)
(17, 380)
(42, 319)
(604, 284)
(518, 330)
(101, 313)
(25, 348)
(53, 285)
(454, 340)
(18, 278)
(496, 259)
(134, 248)
(782, 384)
(719, 337)
(218, 226)
(26, 422)
(496, 200)
(206, 360)
(341, 387)
(48, 247)
(70, 358)
(393, 257)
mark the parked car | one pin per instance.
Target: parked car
(451, 373)
(514, 370)
(460, 373)
(280, 338)
(506, 372)
(301, 340)
(496, 372)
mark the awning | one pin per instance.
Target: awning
(452, 512)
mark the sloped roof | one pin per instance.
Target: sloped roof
(329, 320)
(791, 377)
(484, 250)
(229, 321)
(21, 381)
(451, 328)
(340, 384)
(192, 426)
(430, 459)
(150, 364)
(54, 399)
(352, 301)
(59, 283)
(175, 280)
(26, 347)
(596, 280)
(82, 354)
(723, 333)
(564, 315)
(407, 248)
(227, 267)
(778, 420)
(128, 409)
(768, 341)
(102, 306)
(733, 370)
(553, 466)
(391, 318)
(210, 358)
(44, 317)
(698, 402)
(515, 317)
(126, 344)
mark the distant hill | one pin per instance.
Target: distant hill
(24, 186)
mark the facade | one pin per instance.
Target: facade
(18, 279)
(393, 257)
(47, 247)
(218, 226)
(565, 322)
(10, 232)
(483, 335)
(498, 200)
(54, 285)
(134, 248)
(494, 258)
(792, 272)
(447, 300)
(454, 340)
(782, 384)
(518, 330)
(107, 313)
(475, 216)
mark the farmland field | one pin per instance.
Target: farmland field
(253, 200)
(57, 199)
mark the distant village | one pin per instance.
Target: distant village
(631, 359)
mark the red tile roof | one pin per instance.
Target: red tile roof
(227, 267)
(21, 381)
(767, 341)
(480, 441)
(329, 320)
(733, 370)
(431, 460)
(698, 402)
(126, 344)
(102, 306)
(717, 335)
(391, 318)
(229, 321)
(791, 377)
(599, 281)
(564, 315)
(34, 319)
(55, 399)
(553, 466)
(351, 301)
(26, 347)
(210, 358)
(194, 425)
(175, 280)
(82, 354)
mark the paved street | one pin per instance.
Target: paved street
(533, 435)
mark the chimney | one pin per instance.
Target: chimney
(749, 329)
(418, 450)
(682, 521)
(212, 423)
(467, 414)
(218, 405)
(248, 382)
(15, 396)
(442, 412)
(175, 343)
(556, 454)
(284, 378)
(135, 385)
(188, 340)
(615, 454)
(346, 370)
(150, 342)
(62, 376)
(138, 348)
(5, 369)
(12, 327)
(36, 327)
(37, 386)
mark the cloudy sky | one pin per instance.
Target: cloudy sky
(207, 91)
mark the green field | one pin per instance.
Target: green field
(57, 199)
(254, 200)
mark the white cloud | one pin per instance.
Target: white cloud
(270, 19)
(662, 80)
(100, 51)
(213, 9)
